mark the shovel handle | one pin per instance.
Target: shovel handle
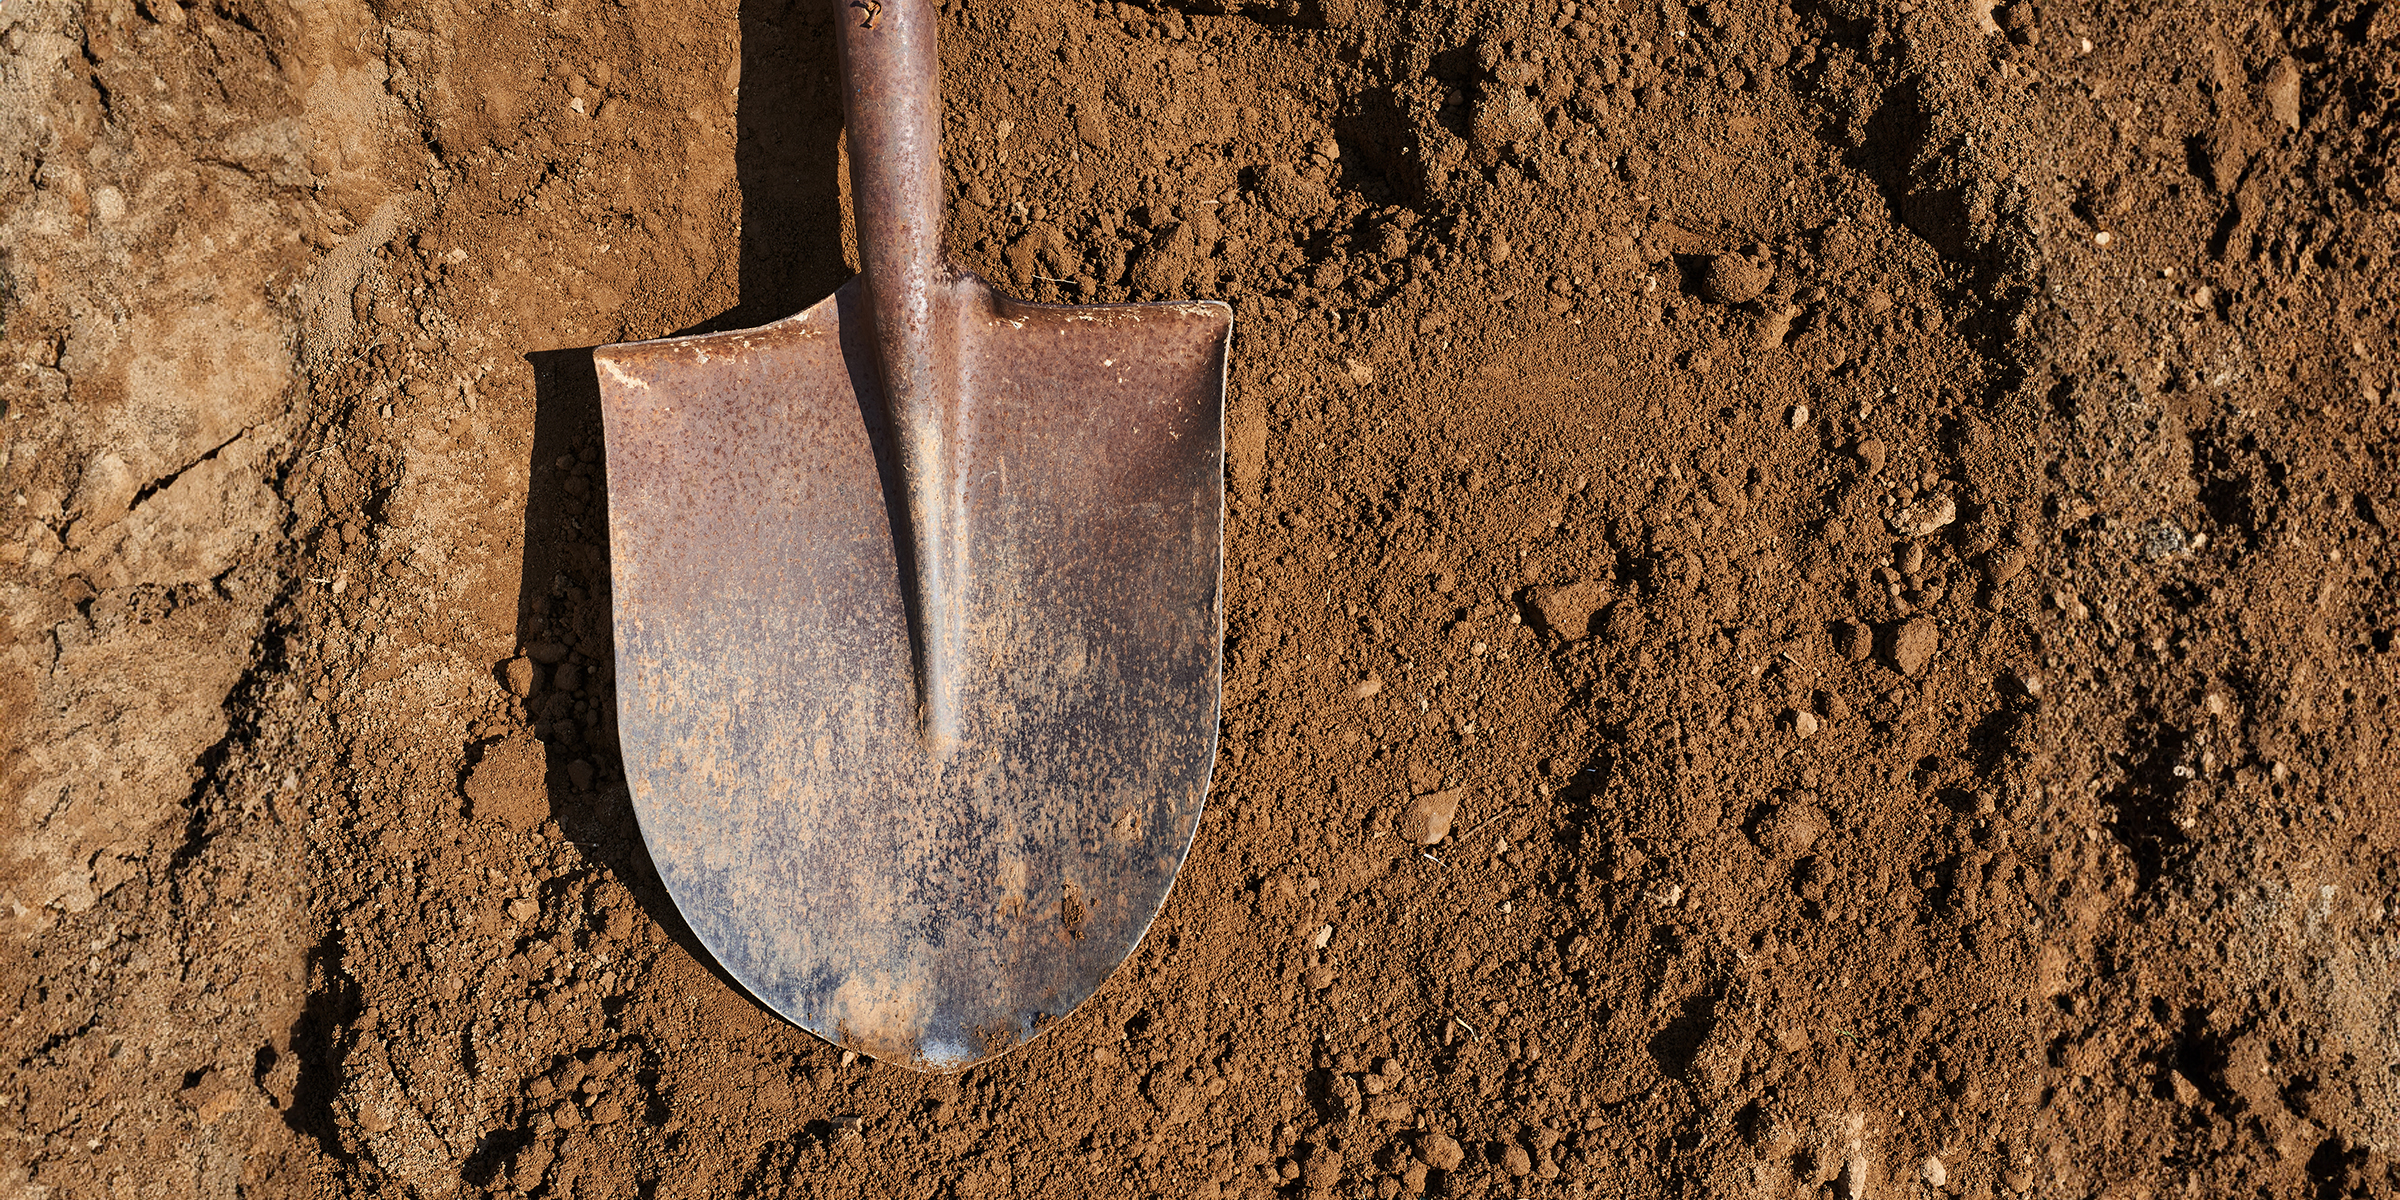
(892, 108)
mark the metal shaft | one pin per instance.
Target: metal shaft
(892, 106)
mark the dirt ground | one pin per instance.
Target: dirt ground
(1877, 514)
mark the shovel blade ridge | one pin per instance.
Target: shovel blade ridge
(929, 912)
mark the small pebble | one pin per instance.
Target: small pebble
(1913, 644)
(1934, 1173)
(1923, 517)
(522, 910)
(1428, 817)
(1366, 688)
(2283, 93)
(1856, 1179)
(1799, 415)
(1323, 938)
(1804, 723)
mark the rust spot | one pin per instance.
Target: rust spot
(1070, 911)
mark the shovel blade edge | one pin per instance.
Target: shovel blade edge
(928, 912)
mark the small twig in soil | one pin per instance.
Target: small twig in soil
(1486, 821)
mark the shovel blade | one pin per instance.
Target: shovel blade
(931, 911)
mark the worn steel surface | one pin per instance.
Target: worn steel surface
(926, 909)
(918, 617)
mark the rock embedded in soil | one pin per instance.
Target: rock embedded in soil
(1428, 818)
(1924, 516)
(1913, 645)
(1733, 279)
(2283, 93)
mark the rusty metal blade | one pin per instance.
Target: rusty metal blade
(926, 909)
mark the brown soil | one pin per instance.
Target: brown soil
(1876, 513)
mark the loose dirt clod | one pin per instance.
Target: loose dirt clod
(1733, 279)
(523, 678)
(1853, 640)
(1441, 1152)
(1516, 1161)
(1566, 610)
(1791, 829)
(1913, 645)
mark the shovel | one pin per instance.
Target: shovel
(918, 610)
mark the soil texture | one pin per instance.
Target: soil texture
(1810, 604)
